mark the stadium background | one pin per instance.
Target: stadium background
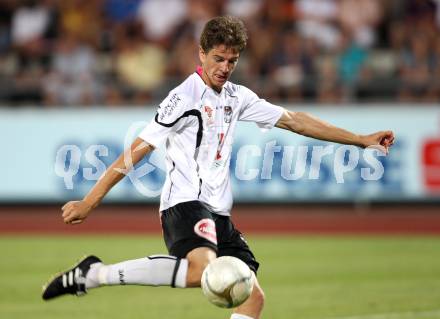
(79, 78)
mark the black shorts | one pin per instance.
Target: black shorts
(190, 225)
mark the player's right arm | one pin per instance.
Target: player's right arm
(76, 212)
(169, 118)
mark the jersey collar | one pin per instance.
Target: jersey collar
(199, 71)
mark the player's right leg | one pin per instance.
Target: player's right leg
(198, 259)
(156, 270)
(190, 232)
(190, 237)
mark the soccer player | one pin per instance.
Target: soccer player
(196, 121)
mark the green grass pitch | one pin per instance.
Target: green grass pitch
(304, 278)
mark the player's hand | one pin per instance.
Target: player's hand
(382, 141)
(75, 212)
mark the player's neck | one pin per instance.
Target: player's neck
(205, 79)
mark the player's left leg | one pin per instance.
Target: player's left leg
(251, 308)
(232, 243)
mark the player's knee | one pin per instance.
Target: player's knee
(195, 271)
(198, 259)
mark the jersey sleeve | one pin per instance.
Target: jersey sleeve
(168, 119)
(257, 110)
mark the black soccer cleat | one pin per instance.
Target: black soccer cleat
(72, 281)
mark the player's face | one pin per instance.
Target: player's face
(218, 65)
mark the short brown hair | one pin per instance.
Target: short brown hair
(226, 30)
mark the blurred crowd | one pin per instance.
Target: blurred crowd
(132, 52)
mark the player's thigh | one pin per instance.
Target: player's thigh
(231, 242)
(188, 226)
(198, 259)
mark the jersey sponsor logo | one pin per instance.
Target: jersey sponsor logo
(170, 106)
(228, 114)
(209, 114)
(205, 228)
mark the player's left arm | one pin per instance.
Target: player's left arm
(311, 126)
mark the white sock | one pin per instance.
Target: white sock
(157, 270)
(238, 316)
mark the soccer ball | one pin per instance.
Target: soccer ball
(227, 282)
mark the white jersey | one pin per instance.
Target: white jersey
(197, 124)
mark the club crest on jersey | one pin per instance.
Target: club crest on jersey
(209, 113)
(228, 114)
(205, 228)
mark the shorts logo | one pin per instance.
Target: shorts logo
(228, 114)
(205, 228)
